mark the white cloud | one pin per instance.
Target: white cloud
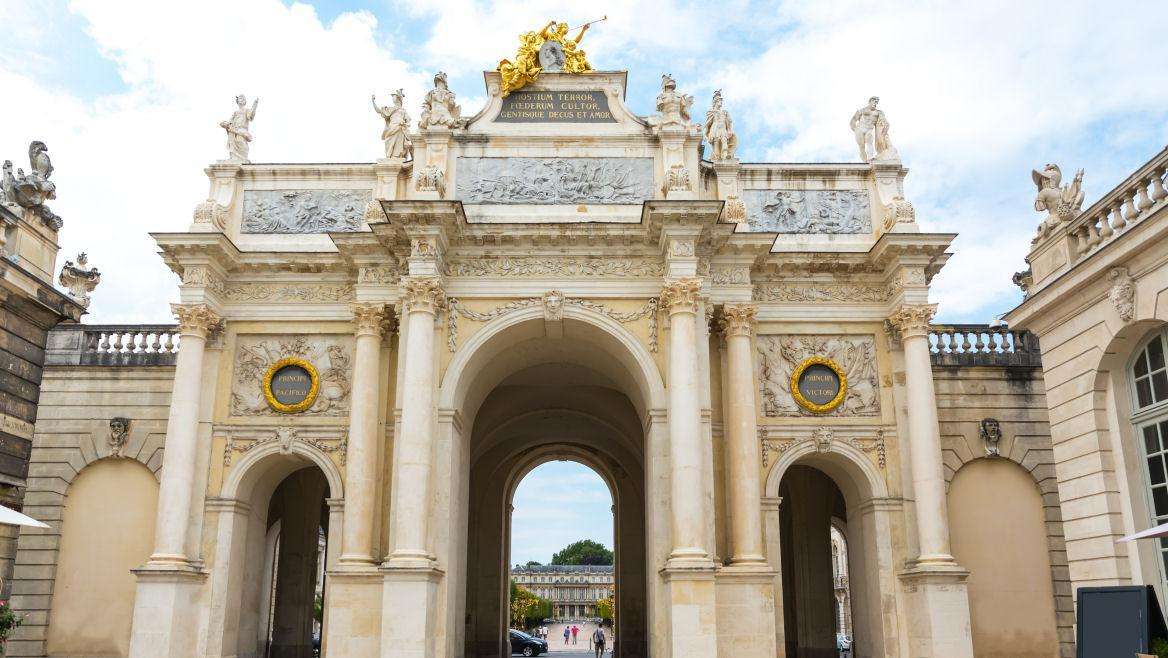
(976, 95)
(131, 163)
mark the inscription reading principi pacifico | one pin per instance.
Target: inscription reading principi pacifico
(554, 180)
(291, 385)
(555, 107)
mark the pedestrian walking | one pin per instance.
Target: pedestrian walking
(567, 634)
(598, 642)
(575, 632)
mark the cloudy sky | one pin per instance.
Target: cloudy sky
(128, 96)
(556, 504)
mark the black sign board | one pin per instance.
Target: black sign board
(1117, 621)
(819, 384)
(531, 106)
(291, 385)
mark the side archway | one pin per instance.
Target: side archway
(868, 524)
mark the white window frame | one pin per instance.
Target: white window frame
(1155, 413)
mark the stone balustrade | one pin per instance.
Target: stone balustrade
(1130, 201)
(982, 345)
(113, 345)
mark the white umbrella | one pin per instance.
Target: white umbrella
(1159, 531)
(12, 517)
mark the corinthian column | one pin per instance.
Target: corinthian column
(742, 456)
(422, 300)
(195, 321)
(361, 461)
(924, 434)
(680, 297)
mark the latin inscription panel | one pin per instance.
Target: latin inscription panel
(819, 384)
(532, 106)
(291, 385)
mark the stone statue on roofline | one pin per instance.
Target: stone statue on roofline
(238, 129)
(720, 131)
(32, 190)
(397, 120)
(439, 108)
(1061, 202)
(672, 106)
(870, 126)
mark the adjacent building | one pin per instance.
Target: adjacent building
(573, 589)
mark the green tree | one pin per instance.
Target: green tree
(527, 609)
(532, 563)
(584, 551)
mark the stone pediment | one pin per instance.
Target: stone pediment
(558, 105)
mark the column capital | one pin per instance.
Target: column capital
(681, 295)
(423, 294)
(738, 319)
(195, 319)
(913, 319)
(370, 319)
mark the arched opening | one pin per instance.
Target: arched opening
(810, 617)
(580, 393)
(563, 566)
(275, 527)
(295, 544)
(821, 485)
(1011, 594)
(107, 529)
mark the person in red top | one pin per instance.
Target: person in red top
(575, 631)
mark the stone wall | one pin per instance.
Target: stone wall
(1015, 396)
(72, 432)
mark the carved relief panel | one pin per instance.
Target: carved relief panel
(303, 211)
(331, 356)
(808, 211)
(780, 355)
(554, 180)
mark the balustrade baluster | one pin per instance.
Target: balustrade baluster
(1117, 219)
(1143, 202)
(1092, 234)
(980, 345)
(155, 346)
(169, 345)
(1129, 208)
(965, 344)
(1158, 191)
(1104, 226)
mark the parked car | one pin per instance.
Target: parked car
(525, 644)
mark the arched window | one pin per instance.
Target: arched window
(1149, 381)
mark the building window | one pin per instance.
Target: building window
(1149, 379)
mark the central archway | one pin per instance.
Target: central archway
(584, 390)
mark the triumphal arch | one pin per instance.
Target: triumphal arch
(371, 357)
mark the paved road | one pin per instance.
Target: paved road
(582, 648)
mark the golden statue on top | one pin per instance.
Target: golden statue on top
(549, 50)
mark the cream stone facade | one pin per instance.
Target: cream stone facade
(536, 284)
(573, 589)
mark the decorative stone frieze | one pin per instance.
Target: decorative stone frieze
(677, 179)
(727, 275)
(330, 355)
(808, 211)
(735, 210)
(370, 319)
(550, 181)
(196, 319)
(681, 296)
(541, 266)
(287, 437)
(780, 355)
(304, 211)
(288, 292)
(1123, 293)
(820, 293)
(377, 275)
(553, 303)
(738, 319)
(431, 178)
(423, 294)
(913, 319)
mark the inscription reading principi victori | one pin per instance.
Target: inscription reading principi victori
(819, 384)
(555, 107)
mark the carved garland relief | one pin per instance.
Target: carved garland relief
(781, 355)
(330, 356)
